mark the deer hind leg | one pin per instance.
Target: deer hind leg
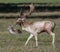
(53, 36)
(31, 35)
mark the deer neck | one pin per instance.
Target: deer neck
(25, 24)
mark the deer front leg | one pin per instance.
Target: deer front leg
(31, 35)
(36, 40)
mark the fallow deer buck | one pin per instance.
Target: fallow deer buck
(36, 27)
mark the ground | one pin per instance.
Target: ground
(15, 43)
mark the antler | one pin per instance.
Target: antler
(22, 14)
(32, 7)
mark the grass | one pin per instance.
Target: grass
(15, 43)
(28, 1)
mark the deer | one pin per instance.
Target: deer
(34, 28)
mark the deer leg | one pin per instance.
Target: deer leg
(36, 40)
(31, 35)
(53, 36)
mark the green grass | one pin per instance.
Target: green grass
(28, 1)
(15, 43)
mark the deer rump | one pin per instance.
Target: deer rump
(13, 31)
